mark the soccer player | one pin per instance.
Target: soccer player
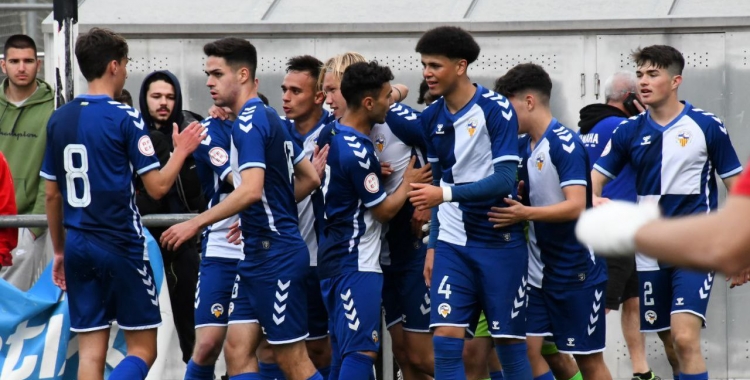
(567, 282)
(472, 143)
(218, 266)
(95, 147)
(305, 117)
(675, 149)
(355, 207)
(269, 172)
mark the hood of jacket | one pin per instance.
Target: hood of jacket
(43, 94)
(592, 114)
(175, 116)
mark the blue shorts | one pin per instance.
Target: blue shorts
(670, 291)
(406, 299)
(353, 303)
(467, 280)
(107, 286)
(240, 310)
(213, 291)
(317, 316)
(573, 318)
(271, 290)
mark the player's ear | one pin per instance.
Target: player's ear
(530, 102)
(461, 66)
(368, 102)
(676, 81)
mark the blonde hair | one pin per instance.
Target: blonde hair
(337, 65)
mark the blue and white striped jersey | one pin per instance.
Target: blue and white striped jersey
(95, 146)
(260, 140)
(396, 141)
(674, 164)
(212, 164)
(351, 236)
(556, 258)
(310, 209)
(467, 145)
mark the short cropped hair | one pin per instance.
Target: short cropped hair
(96, 49)
(525, 77)
(363, 79)
(19, 41)
(263, 98)
(236, 51)
(338, 64)
(449, 41)
(158, 76)
(125, 98)
(661, 57)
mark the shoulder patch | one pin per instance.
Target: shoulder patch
(218, 156)
(145, 146)
(372, 183)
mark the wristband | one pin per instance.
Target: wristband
(447, 193)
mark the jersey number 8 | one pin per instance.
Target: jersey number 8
(73, 172)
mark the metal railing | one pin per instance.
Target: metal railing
(155, 220)
(26, 7)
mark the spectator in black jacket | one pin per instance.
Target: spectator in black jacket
(161, 105)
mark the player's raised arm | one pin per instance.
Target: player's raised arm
(158, 182)
(306, 178)
(386, 210)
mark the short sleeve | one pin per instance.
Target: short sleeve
(616, 153)
(502, 125)
(720, 150)
(139, 145)
(250, 140)
(571, 161)
(364, 172)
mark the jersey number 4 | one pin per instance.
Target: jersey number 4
(77, 171)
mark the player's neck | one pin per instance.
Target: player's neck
(18, 93)
(101, 86)
(666, 111)
(245, 95)
(538, 125)
(306, 123)
(461, 95)
(357, 120)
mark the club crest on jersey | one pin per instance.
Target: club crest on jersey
(540, 162)
(266, 244)
(380, 142)
(217, 310)
(372, 184)
(375, 337)
(683, 138)
(218, 156)
(145, 146)
(472, 127)
(650, 316)
(444, 309)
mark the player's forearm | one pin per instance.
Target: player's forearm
(306, 180)
(598, 180)
(386, 210)
(238, 200)
(54, 210)
(564, 211)
(717, 241)
(167, 175)
(730, 181)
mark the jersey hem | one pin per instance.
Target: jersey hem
(73, 329)
(496, 336)
(573, 182)
(210, 325)
(293, 340)
(48, 176)
(596, 351)
(225, 173)
(604, 171)
(376, 202)
(420, 331)
(149, 168)
(317, 337)
(731, 173)
(147, 327)
(252, 165)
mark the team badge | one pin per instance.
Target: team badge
(218, 156)
(217, 310)
(444, 309)
(372, 183)
(472, 127)
(540, 162)
(506, 236)
(380, 142)
(145, 146)
(266, 244)
(650, 316)
(683, 138)
(375, 337)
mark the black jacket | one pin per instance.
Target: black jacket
(592, 114)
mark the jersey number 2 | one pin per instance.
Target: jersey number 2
(73, 172)
(289, 152)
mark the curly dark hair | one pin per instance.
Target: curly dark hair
(236, 51)
(96, 49)
(525, 77)
(660, 56)
(363, 79)
(449, 41)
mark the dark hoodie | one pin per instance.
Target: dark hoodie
(592, 114)
(186, 195)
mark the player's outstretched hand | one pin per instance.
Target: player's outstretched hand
(417, 175)
(418, 220)
(58, 271)
(424, 196)
(506, 216)
(319, 160)
(222, 113)
(234, 236)
(189, 139)
(739, 279)
(610, 228)
(385, 169)
(173, 238)
(429, 260)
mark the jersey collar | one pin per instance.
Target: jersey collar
(465, 108)
(348, 129)
(674, 121)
